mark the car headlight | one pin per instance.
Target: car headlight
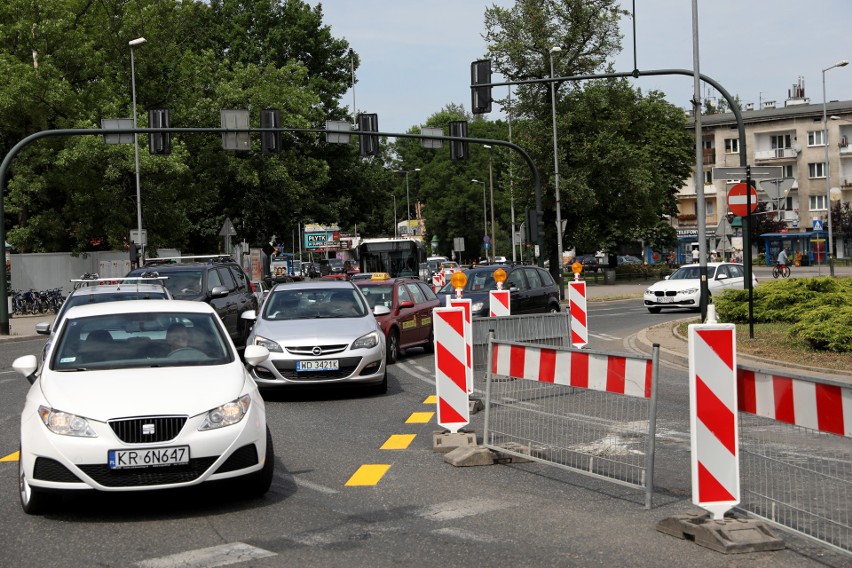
(65, 424)
(649, 292)
(476, 307)
(227, 414)
(366, 341)
(689, 291)
(268, 343)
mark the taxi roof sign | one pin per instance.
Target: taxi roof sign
(380, 276)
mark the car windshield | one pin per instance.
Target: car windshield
(183, 284)
(477, 281)
(314, 303)
(691, 273)
(134, 340)
(378, 295)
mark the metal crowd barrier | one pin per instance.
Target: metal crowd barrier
(549, 329)
(796, 453)
(586, 411)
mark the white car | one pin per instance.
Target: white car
(682, 288)
(319, 333)
(137, 396)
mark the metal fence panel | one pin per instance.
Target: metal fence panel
(791, 475)
(597, 433)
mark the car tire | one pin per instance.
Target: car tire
(655, 310)
(553, 309)
(33, 501)
(392, 347)
(258, 483)
(429, 347)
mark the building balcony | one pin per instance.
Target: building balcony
(709, 156)
(775, 154)
(845, 149)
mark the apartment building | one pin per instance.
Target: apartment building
(793, 138)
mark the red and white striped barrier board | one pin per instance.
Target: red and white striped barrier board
(499, 303)
(466, 305)
(714, 432)
(450, 368)
(813, 405)
(438, 280)
(593, 371)
(577, 303)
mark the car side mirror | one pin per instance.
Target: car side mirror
(722, 277)
(43, 328)
(26, 366)
(406, 304)
(255, 355)
(249, 315)
(381, 310)
(219, 292)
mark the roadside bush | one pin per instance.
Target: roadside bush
(818, 309)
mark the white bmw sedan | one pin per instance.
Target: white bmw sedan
(682, 288)
(136, 396)
(320, 332)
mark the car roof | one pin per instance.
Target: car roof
(321, 284)
(139, 306)
(386, 281)
(118, 288)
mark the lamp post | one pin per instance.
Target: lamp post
(841, 63)
(133, 43)
(491, 185)
(407, 203)
(556, 49)
(484, 213)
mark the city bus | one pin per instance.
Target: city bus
(397, 257)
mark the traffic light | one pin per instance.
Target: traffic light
(369, 144)
(270, 142)
(159, 142)
(531, 226)
(480, 97)
(458, 148)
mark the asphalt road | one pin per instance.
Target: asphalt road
(421, 511)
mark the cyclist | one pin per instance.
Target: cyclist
(782, 258)
(781, 268)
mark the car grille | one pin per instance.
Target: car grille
(347, 366)
(309, 349)
(661, 293)
(142, 477)
(132, 430)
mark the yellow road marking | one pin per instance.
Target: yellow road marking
(419, 417)
(11, 457)
(368, 474)
(398, 442)
(431, 399)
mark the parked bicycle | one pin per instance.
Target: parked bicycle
(36, 302)
(781, 270)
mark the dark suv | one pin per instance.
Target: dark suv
(217, 280)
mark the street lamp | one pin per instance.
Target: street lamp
(407, 204)
(556, 49)
(133, 43)
(491, 185)
(484, 213)
(841, 63)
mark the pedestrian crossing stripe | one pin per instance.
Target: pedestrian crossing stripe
(398, 442)
(368, 475)
(13, 457)
(419, 417)
(431, 399)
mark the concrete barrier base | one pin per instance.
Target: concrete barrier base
(467, 456)
(474, 405)
(443, 442)
(730, 535)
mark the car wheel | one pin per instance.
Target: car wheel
(258, 483)
(655, 310)
(554, 309)
(393, 347)
(429, 347)
(33, 501)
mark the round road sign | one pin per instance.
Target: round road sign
(737, 200)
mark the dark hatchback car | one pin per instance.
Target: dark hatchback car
(411, 301)
(217, 280)
(590, 262)
(533, 289)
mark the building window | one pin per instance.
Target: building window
(732, 145)
(788, 172)
(781, 141)
(710, 208)
(708, 177)
(816, 138)
(817, 203)
(816, 170)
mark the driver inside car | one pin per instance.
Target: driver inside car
(177, 337)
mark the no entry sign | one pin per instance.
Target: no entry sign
(737, 200)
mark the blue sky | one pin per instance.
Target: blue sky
(416, 55)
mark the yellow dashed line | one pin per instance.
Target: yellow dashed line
(368, 474)
(431, 400)
(419, 417)
(398, 442)
(11, 457)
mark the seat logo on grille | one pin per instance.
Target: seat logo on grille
(317, 351)
(149, 429)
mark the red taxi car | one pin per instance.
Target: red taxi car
(409, 323)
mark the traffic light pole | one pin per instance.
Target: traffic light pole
(7, 160)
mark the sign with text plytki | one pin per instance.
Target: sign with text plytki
(809, 404)
(499, 303)
(579, 313)
(466, 304)
(713, 405)
(450, 368)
